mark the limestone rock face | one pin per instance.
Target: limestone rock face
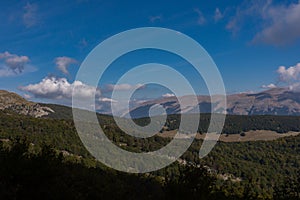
(12, 102)
(277, 101)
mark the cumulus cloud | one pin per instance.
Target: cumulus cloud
(62, 63)
(270, 86)
(201, 19)
(288, 77)
(60, 88)
(30, 17)
(277, 23)
(168, 95)
(294, 87)
(218, 15)
(120, 87)
(13, 64)
(289, 74)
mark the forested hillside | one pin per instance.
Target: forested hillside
(233, 123)
(40, 156)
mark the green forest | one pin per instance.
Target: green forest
(43, 158)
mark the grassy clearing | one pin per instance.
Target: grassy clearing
(257, 135)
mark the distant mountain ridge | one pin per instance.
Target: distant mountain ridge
(276, 101)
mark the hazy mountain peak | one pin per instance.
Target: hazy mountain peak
(275, 101)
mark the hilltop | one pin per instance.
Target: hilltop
(12, 102)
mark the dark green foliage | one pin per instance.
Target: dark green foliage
(32, 163)
(289, 188)
(60, 111)
(48, 176)
(192, 183)
(261, 165)
(61, 134)
(234, 124)
(280, 124)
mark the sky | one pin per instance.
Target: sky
(255, 44)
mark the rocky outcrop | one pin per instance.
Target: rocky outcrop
(12, 102)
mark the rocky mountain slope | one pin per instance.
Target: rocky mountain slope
(12, 102)
(277, 101)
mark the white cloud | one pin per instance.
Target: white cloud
(247, 10)
(270, 86)
(276, 24)
(168, 95)
(17, 63)
(289, 74)
(294, 87)
(30, 17)
(218, 15)
(119, 87)
(5, 72)
(62, 63)
(60, 88)
(12, 64)
(104, 99)
(283, 27)
(201, 19)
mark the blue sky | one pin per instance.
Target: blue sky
(45, 41)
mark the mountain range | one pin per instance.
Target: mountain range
(276, 101)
